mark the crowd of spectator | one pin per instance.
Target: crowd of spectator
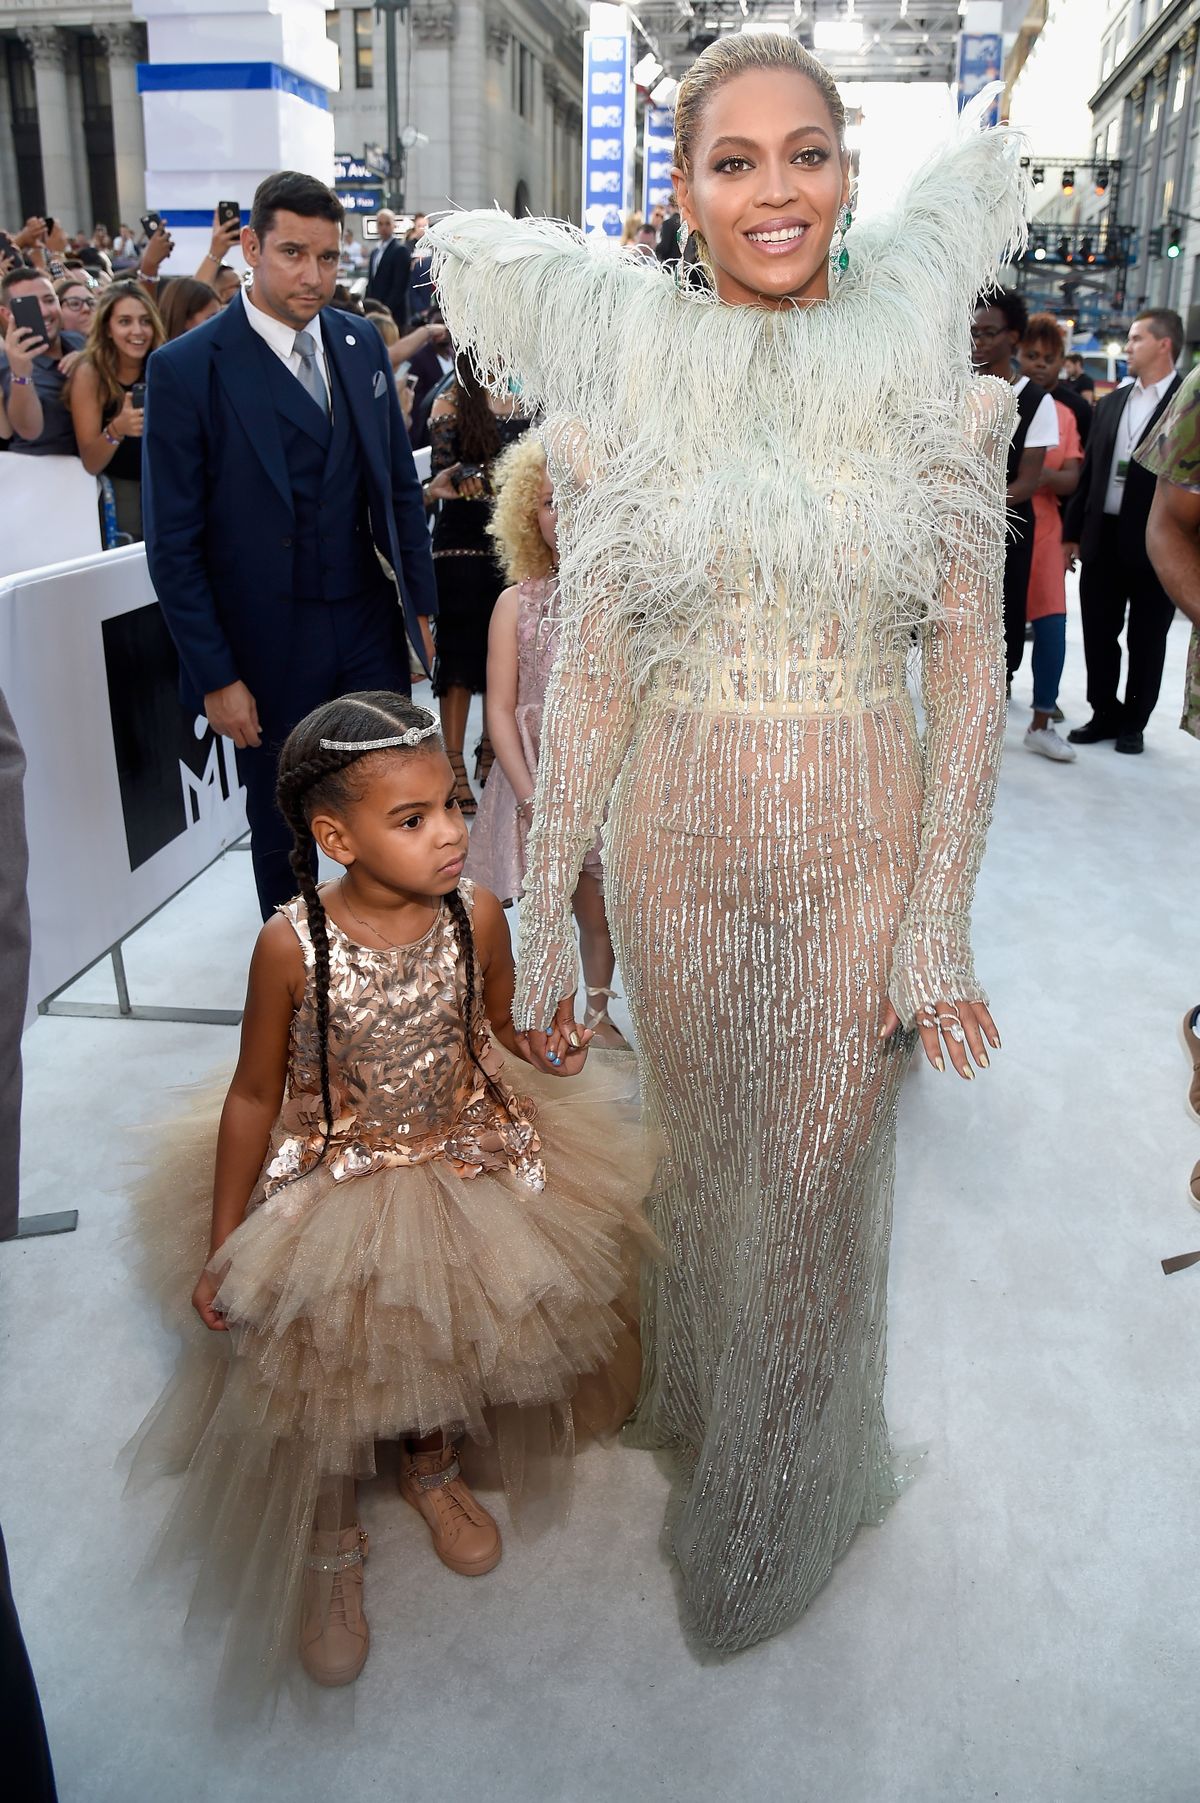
(72, 382)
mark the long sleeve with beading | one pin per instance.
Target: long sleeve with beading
(962, 659)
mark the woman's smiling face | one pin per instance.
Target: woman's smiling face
(764, 186)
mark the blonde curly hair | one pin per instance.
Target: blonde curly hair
(517, 478)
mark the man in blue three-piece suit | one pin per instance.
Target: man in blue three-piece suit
(276, 475)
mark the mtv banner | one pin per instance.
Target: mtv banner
(128, 795)
(609, 121)
(658, 154)
(980, 61)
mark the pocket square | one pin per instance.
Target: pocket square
(379, 384)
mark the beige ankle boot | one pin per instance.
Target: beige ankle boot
(334, 1637)
(464, 1535)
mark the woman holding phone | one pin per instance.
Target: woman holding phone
(106, 395)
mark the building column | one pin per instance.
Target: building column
(433, 29)
(473, 181)
(48, 48)
(79, 151)
(125, 46)
(10, 190)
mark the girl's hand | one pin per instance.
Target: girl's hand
(128, 422)
(203, 1301)
(957, 1025)
(563, 1050)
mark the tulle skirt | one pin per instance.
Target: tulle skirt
(391, 1304)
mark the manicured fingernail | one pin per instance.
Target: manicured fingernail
(939, 1064)
(983, 1059)
(574, 1038)
(969, 1074)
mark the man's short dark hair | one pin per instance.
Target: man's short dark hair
(16, 278)
(288, 191)
(1075, 357)
(1164, 322)
(1011, 304)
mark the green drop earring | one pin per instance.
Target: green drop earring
(839, 255)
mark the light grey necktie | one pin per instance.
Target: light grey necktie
(308, 375)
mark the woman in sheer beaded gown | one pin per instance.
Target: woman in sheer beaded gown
(764, 492)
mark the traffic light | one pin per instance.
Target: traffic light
(1102, 179)
(1064, 250)
(1068, 181)
(1154, 242)
(1174, 247)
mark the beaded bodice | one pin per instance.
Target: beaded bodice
(405, 1087)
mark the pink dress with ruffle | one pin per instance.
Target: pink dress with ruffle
(497, 855)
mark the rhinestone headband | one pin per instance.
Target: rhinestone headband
(413, 736)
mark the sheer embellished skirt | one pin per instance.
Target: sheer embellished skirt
(765, 864)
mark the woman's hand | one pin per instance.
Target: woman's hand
(128, 422)
(224, 237)
(957, 1026)
(66, 364)
(441, 487)
(563, 1050)
(204, 1303)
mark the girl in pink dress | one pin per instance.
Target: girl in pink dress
(522, 646)
(1041, 354)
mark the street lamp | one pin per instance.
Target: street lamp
(391, 10)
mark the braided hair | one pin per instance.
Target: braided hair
(312, 778)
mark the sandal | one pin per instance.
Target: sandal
(464, 794)
(485, 757)
(608, 1035)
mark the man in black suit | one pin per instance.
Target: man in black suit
(389, 268)
(277, 484)
(1105, 526)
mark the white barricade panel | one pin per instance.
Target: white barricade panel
(50, 512)
(128, 796)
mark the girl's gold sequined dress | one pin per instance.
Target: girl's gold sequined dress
(758, 513)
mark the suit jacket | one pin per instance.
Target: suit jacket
(217, 498)
(1084, 517)
(388, 281)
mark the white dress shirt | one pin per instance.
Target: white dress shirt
(377, 253)
(282, 339)
(1132, 423)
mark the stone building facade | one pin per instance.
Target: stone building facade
(1146, 110)
(493, 86)
(70, 117)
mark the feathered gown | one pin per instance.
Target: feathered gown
(756, 511)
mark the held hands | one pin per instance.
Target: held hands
(205, 1305)
(957, 1025)
(563, 1050)
(233, 713)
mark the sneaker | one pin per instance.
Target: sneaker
(334, 1637)
(1047, 744)
(464, 1535)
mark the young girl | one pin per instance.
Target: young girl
(522, 646)
(398, 1252)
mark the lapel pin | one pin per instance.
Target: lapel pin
(350, 339)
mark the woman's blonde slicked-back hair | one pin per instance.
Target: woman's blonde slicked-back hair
(517, 480)
(734, 55)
